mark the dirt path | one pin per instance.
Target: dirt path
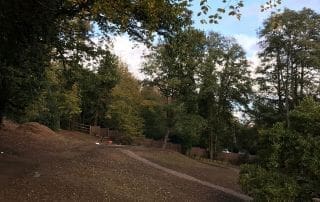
(223, 176)
(37, 164)
(186, 177)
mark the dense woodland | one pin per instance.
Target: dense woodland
(54, 72)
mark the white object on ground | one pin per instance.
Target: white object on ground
(36, 174)
(97, 143)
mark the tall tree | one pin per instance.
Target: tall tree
(58, 102)
(124, 112)
(153, 112)
(225, 85)
(290, 67)
(36, 32)
(172, 67)
(96, 87)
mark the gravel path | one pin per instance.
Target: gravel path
(187, 177)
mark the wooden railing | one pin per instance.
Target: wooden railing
(80, 127)
(103, 133)
(94, 130)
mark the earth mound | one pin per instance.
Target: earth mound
(35, 128)
(27, 137)
(9, 125)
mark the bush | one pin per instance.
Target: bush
(126, 140)
(264, 185)
(189, 127)
(289, 159)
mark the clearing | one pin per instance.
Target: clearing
(37, 164)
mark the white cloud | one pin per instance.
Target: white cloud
(130, 53)
(254, 62)
(249, 43)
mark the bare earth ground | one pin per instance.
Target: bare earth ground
(223, 176)
(37, 164)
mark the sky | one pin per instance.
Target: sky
(243, 30)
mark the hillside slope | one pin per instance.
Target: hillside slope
(39, 164)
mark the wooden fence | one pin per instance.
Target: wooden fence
(97, 131)
(81, 127)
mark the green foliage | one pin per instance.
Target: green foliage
(188, 62)
(287, 75)
(290, 56)
(266, 185)
(224, 85)
(61, 31)
(153, 113)
(124, 111)
(246, 138)
(172, 68)
(231, 7)
(173, 64)
(96, 87)
(189, 127)
(293, 153)
(55, 103)
(265, 112)
(305, 118)
(271, 145)
(71, 103)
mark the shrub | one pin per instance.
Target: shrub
(288, 165)
(265, 185)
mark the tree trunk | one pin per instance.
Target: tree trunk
(2, 105)
(215, 143)
(166, 137)
(211, 145)
(279, 84)
(294, 84)
(96, 116)
(287, 91)
(1, 119)
(301, 82)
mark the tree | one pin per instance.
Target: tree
(289, 160)
(290, 55)
(233, 8)
(200, 76)
(124, 111)
(70, 91)
(188, 127)
(56, 103)
(172, 68)
(153, 112)
(60, 30)
(246, 137)
(225, 84)
(96, 87)
(71, 103)
(287, 111)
